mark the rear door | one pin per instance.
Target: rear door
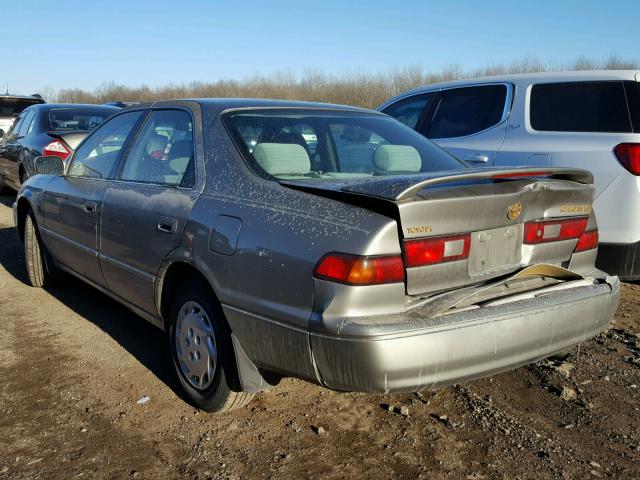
(146, 208)
(72, 203)
(469, 122)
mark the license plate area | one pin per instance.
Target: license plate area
(496, 250)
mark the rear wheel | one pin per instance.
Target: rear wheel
(202, 352)
(4, 189)
(39, 267)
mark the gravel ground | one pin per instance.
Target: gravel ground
(73, 365)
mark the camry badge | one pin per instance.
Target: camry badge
(514, 211)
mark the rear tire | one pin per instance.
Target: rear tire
(202, 351)
(38, 273)
(4, 189)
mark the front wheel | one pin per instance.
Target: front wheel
(38, 266)
(202, 352)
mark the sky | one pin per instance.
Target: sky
(85, 43)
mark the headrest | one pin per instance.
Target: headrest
(181, 148)
(156, 143)
(282, 158)
(397, 158)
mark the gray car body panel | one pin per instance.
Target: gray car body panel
(257, 241)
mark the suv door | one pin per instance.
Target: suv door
(71, 206)
(146, 208)
(469, 122)
(7, 140)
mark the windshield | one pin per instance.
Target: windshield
(14, 106)
(315, 144)
(69, 119)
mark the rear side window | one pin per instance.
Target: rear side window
(579, 107)
(163, 151)
(469, 110)
(409, 110)
(633, 98)
(26, 125)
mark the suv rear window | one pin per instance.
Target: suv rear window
(579, 107)
(633, 98)
(12, 107)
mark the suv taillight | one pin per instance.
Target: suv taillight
(628, 154)
(57, 148)
(359, 270)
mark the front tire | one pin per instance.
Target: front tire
(38, 275)
(202, 352)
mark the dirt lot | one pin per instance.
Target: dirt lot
(73, 364)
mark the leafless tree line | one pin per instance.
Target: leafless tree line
(362, 89)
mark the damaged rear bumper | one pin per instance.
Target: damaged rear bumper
(410, 352)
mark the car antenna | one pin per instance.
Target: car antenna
(7, 93)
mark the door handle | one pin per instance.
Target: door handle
(167, 225)
(477, 158)
(90, 207)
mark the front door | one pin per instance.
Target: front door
(146, 208)
(72, 203)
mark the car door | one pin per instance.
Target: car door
(72, 203)
(146, 208)
(469, 122)
(14, 147)
(7, 140)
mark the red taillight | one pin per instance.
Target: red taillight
(428, 251)
(57, 148)
(554, 230)
(587, 241)
(628, 154)
(358, 270)
(513, 175)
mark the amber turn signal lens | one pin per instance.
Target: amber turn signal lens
(359, 270)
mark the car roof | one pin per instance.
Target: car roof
(222, 104)
(523, 79)
(53, 106)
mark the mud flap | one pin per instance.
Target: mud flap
(252, 380)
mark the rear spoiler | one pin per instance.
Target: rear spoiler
(570, 174)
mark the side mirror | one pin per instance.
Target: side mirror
(2, 132)
(49, 165)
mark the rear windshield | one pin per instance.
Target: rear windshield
(69, 119)
(13, 107)
(633, 98)
(580, 107)
(312, 144)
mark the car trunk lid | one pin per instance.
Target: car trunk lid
(474, 218)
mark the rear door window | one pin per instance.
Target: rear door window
(579, 107)
(27, 124)
(163, 151)
(633, 99)
(409, 110)
(469, 110)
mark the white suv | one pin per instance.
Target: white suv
(585, 119)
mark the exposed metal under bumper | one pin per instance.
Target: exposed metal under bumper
(462, 346)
